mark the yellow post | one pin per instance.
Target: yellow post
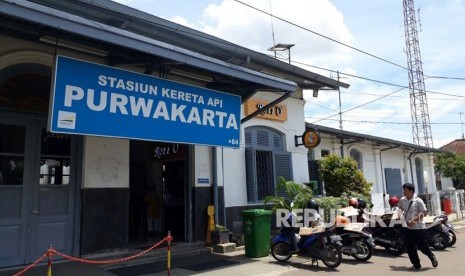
(49, 253)
(168, 265)
(211, 223)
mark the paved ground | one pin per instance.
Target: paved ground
(236, 263)
(450, 263)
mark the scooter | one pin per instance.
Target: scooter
(318, 243)
(448, 228)
(356, 241)
(386, 231)
(438, 234)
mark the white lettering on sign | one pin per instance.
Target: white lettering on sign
(74, 93)
(273, 110)
(215, 102)
(127, 85)
(160, 152)
(138, 106)
(182, 96)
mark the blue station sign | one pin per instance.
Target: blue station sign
(92, 99)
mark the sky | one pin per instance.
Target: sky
(362, 42)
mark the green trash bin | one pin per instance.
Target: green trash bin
(256, 225)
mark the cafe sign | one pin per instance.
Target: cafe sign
(168, 151)
(274, 113)
(310, 138)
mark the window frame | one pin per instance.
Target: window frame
(264, 139)
(359, 160)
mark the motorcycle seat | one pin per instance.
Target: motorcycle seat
(306, 231)
(355, 226)
(428, 219)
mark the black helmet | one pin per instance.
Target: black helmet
(362, 204)
(313, 205)
(353, 202)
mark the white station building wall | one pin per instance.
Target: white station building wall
(234, 181)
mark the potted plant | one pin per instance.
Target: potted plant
(220, 234)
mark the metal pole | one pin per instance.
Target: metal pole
(215, 182)
(461, 123)
(340, 116)
(49, 269)
(168, 264)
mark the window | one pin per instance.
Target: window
(325, 153)
(393, 181)
(420, 176)
(12, 151)
(266, 162)
(55, 158)
(357, 156)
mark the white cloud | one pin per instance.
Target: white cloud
(246, 26)
(375, 27)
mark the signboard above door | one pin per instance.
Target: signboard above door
(92, 99)
(274, 113)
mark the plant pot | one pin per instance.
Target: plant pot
(219, 237)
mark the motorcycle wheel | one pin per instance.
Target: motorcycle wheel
(365, 248)
(333, 256)
(281, 251)
(399, 247)
(440, 241)
(452, 238)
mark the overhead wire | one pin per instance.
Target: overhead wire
(218, 40)
(342, 73)
(321, 35)
(353, 48)
(401, 97)
(340, 43)
(390, 122)
(358, 106)
(447, 78)
(373, 80)
(316, 33)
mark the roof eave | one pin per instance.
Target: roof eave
(63, 21)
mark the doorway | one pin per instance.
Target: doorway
(36, 189)
(174, 198)
(157, 184)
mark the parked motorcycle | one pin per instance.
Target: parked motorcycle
(448, 228)
(440, 233)
(319, 243)
(385, 232)
(356, 241)
(435, 234)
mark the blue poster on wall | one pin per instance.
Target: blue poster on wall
(92, 99)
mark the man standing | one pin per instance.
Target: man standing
(412, 210)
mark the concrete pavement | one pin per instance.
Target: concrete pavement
(450, 263)
(236, 263)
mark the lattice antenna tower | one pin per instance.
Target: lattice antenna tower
(421, 127)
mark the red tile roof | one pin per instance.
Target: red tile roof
(456, 146)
